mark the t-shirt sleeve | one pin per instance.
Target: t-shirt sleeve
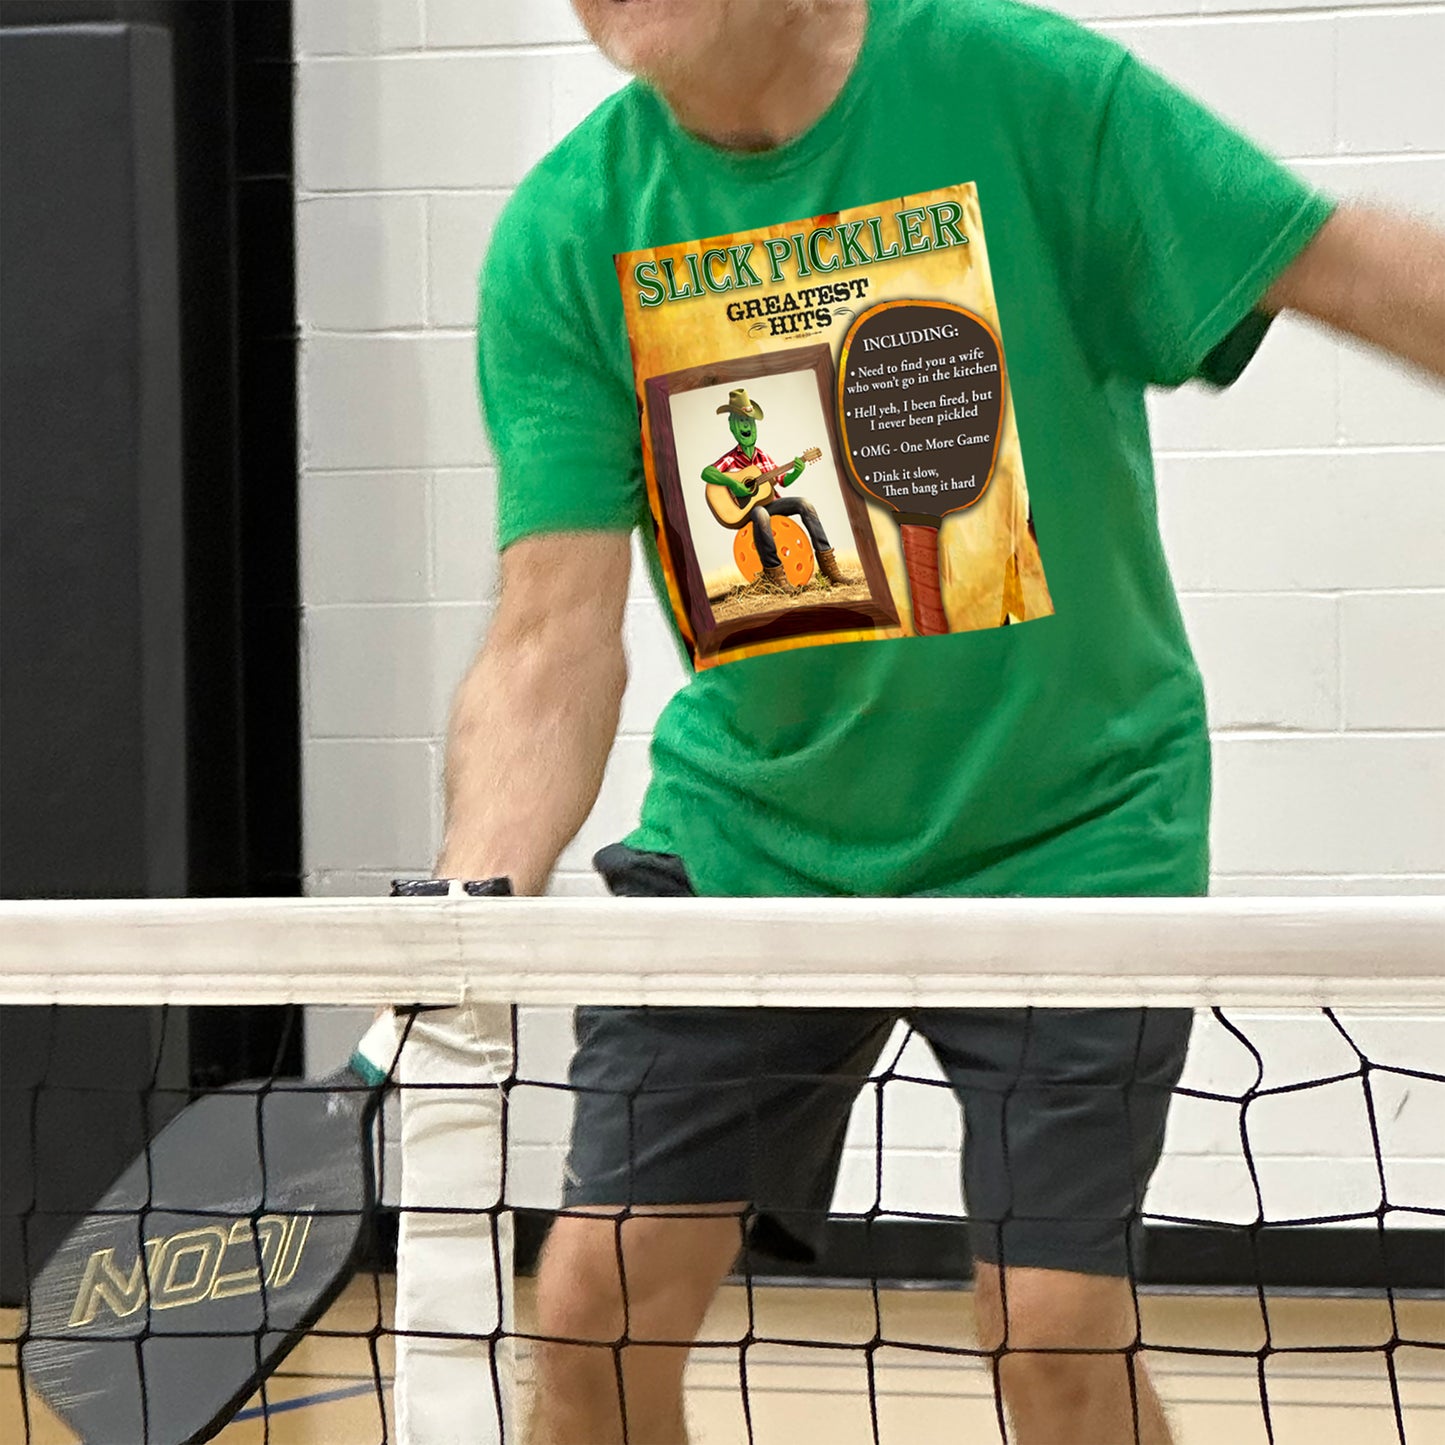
(1189, 224)
(561, 415)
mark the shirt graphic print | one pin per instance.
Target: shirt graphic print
(863, 351)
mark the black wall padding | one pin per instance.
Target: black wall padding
(92, 681)
(92, 615)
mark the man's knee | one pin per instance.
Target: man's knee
(606, 1278)
(1052, 1309)
(579, 1293)
(1067, 1350)
(1034, 1320)
(611, 1281)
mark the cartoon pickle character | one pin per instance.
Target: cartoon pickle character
(744, 486)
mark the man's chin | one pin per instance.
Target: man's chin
(661, 40)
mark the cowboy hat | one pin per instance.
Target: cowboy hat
(738, 402)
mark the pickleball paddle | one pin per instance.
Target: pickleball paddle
(920, 406)
(164, 1309)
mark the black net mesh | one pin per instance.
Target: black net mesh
(238, 1277)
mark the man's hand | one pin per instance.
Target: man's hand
(534, 719)
(1376, 275)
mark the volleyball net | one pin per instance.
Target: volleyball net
(1302, 1151)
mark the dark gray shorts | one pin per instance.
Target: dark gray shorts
(1063, 1109)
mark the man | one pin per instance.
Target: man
(738, 469)
(1134, 240)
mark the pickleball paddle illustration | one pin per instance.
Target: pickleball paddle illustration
(921, 388)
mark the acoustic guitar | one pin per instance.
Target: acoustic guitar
(733, 513)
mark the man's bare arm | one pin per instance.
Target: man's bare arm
(534, 719)
(1376, 275)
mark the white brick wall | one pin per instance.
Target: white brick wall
(1304, 514)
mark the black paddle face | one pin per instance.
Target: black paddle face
(163, 1310)
(920, 403)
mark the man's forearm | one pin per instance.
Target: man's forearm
(531, 728)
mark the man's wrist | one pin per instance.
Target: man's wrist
(466, 865)
(442, 887)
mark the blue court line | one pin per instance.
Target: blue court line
(326, 1397)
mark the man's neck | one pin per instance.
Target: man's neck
(773, 88)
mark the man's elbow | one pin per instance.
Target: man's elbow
(559, 616)
(566, 642)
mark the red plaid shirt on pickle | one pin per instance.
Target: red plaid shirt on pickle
(735, 460)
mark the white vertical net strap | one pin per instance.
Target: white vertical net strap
(454, 1360)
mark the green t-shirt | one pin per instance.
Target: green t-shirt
(1130, 235)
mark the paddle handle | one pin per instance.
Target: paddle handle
(920, 559)
(375, 1055)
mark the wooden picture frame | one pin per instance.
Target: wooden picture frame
(793, 617)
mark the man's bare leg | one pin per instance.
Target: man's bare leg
(1064, 1399)
(608, 1279)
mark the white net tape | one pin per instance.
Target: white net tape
(1287, 952)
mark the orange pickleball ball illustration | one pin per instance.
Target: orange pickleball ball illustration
(794, 552)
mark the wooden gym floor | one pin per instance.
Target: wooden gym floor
(325, 1393)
